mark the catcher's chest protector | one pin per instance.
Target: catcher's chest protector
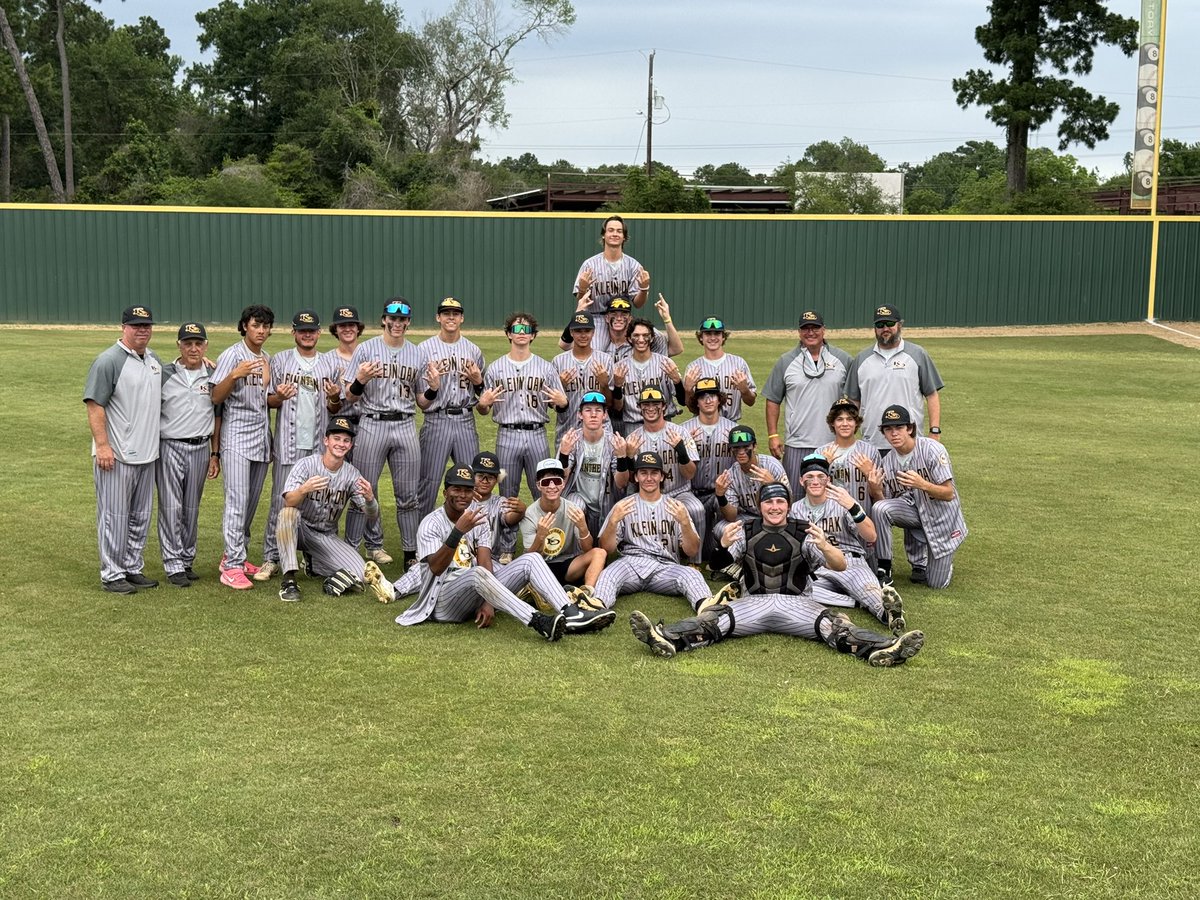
(774, 562)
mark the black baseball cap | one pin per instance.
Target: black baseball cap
(345, 315)
(340, 424)
(773, 490)
(487, 463)
(137, 315)
(712, 323)
(651, 395)
(844, 403)
(811, 317)
(459, 475)
(581, 322)
(706, 386)
(450, 304)
(306, 320)
(620, 304)
(648, 460)
(397, 306)
(814, 462)
(742, 436)
(896, 415)
(192, 331)
(887, 313)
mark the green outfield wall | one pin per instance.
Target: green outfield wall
(84, 264)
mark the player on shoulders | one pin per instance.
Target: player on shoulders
(641, 369)
(614, 337)
(610, 273)
(778, 557)
(731, 372)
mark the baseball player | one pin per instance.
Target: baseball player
(122, 395)
(240, 382)
(731, 372)
(381, 388)
(558, 530)
(452, 377)
(189, 452)
(613, 337)
(675, 447)
(738, 487)
(851, 459)
(318, 487)
(710, 433)
(610, 273)
(844, 521)
(304, 390)
(518, 390)
(459, 585)
(920, 497)
(595, 461)
(346, 328)
(651, 532)
(778, 557)
(642, 369)
(806, 379)
(894, 371)
(581, 370)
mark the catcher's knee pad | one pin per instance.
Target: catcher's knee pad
(341, 582)
(708, 627)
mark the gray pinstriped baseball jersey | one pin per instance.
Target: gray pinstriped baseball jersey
(455, 389)
(638, 376)
(723, 370)
(807, 390)
(941, 520)
(522, 400)
(321, 510)
(585, 380)
(712, 448)
(395, 390)
(657, 441)
(833, 519)
(649, 530)
(845, 474)
(246, 424)
(743, 490)
(609, 280)
(601, 341)
(289, 367)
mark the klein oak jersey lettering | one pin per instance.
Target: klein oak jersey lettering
(649, 530)
(393, 391)
(942, 521)
(723, 370)
(609, 280)
(522, 401)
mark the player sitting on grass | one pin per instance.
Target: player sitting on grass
(777, 557)
(454, 543)
(845, 523)
(558, 530)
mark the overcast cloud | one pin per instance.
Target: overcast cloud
(756, 83)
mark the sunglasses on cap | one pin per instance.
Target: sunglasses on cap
(594, 397)
(398, 309)
(550, 481)
(652, 395)
(711, 324)
(887, 323)
(520, 328)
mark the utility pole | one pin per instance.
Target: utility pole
(650, 119)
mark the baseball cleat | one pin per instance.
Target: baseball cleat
(505, 559)
(585, 597)
(581, 621)
(180, 579)
(191, 574)
(723, 596)
(903, 648)
(918, 575)
(884, 575)
(140, 581)
(374, 579)
(267, 571)
(119, 586)
(289, 592)
(650, 635)
(236, 579)
(552, 628)
(893, 609)
(536, 600)
(379, 556)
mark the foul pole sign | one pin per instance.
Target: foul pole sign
(1145, 141)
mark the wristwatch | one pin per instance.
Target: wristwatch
(933, 429)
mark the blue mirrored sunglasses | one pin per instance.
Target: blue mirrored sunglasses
(398, 309)
(593, 397)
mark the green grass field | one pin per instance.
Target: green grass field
(1046, 743)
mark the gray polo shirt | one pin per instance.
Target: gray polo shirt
(129, 387)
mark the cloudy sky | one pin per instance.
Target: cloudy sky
(756, 83)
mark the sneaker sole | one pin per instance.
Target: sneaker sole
(643, 630)
(238, 587)
(372, 576)
(905, 647)
(288, 599)
(557, 629)
(893, 609)
(594, 624)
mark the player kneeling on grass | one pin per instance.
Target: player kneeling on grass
(845, 523)
(454, 542)
(920, 497)
(778, 557)
(317, 490)
(651, 532)
(558, 530)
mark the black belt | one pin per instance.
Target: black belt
(520, 426)
(855, 555)
(388, 417)
(352, 419)
(448, 411)
(703, 492)
(193, 441)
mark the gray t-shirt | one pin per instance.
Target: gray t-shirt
(562, 543)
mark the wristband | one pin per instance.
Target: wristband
(371, 507)
(453, 538)
(722, 500)
(624, 464)
(617, 393)
(667, 321)
(562, 409)
(681, 454)
(357, 388)
(216, 453)
(857, 513)
(769, 436)
(564, 460)
(431, 394)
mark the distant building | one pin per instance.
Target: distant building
(1175, 199)
(579, 193)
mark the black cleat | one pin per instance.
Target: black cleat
(289, 592)
(650, 635)
(893, 610)
(552, 628)
(180, 579)
(586, 621)
(140, 581)
(191, 574)
(918, 575)
(119, 586)
(903, 648)
(884, 575)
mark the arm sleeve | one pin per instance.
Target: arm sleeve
(102, 379)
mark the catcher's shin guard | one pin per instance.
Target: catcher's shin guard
(341, 582)
(836, 630)
(708, 627)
